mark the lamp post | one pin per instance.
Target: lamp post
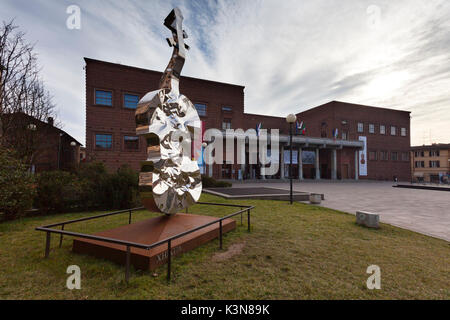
(290, 119)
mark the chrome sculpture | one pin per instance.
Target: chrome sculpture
(170, 180)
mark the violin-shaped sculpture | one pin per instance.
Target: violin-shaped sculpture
(169, 180)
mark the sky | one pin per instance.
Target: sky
(290, 55)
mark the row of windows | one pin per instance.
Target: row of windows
(385, 155)
(431, 164)
(105, 142)
(130, 101)
(104, 98)
(382, 129)
(431, 153)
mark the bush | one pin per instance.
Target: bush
(209, 182)
(16, 185)
(57, 191)
(90, 187)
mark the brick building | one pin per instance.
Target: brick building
(54, 148)
(431, 163)
(377, 140)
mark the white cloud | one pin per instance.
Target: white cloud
(290, 55)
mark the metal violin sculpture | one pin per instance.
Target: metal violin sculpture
(169, 180)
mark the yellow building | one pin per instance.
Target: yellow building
(431, 163)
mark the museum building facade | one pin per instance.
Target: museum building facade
(340, 140)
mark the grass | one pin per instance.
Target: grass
(294, 251)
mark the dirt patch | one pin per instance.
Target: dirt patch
(233, 250)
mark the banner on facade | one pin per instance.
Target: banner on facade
(363, 157)
(308, 157)
(287, 158)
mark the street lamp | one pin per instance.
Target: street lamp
(290, 119)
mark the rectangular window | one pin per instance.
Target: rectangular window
(131, 142)
(103, 98)
(130, 101)
(419, 153)
(419, 164)
(405, 156)
(344, 135)
(372, 155)
(103, 141)
(360, 127)
(434, 164)
(393, 131)
(434, 153)
(226, 124)
(227, 109)
(382, 129)
(403, 132)
(371, 128)
(394, 156)
(201, 109)
(384, 155)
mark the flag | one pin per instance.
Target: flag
(258, 128)
(300, 128)
(335, 133)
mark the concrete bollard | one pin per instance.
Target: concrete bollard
(315, 198)
(368, 219)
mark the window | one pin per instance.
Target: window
(393, 131)
(227, 109)
(372, 155)
(103, 98)
(131, 142)
(226, 124)
(130, 101)
(403, 132)
(201, 109)
(360, 127)
(394, 156)
(434, 164)
(371, 128)
(419, 164)
(405, 156)
(103, 141)
(382, 129)
(434, 153)
(419, 153)
(344, 135)
(384, 155)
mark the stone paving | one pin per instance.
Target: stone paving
(423, 211)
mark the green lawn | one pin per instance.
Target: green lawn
(293, 252)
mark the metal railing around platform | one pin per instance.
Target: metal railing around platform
(49, 229)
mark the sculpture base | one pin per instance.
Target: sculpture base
(151, 231)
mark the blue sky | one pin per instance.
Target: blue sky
(290, 55)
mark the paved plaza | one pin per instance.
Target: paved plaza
(423, 211)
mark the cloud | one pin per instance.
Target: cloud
(290, 55)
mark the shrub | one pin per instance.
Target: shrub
(57, 191)
(90, 187)
(16, 185)
(209, 182)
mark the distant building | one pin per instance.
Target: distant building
(341, 140)
(431, 163)
(55, 148)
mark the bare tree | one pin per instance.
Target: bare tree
(23, 98)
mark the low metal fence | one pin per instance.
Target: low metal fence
(49, 229)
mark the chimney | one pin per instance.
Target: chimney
(50, 121)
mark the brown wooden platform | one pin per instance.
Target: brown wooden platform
(151, 231)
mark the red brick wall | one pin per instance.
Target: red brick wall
(118, 121)
(335, 112)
